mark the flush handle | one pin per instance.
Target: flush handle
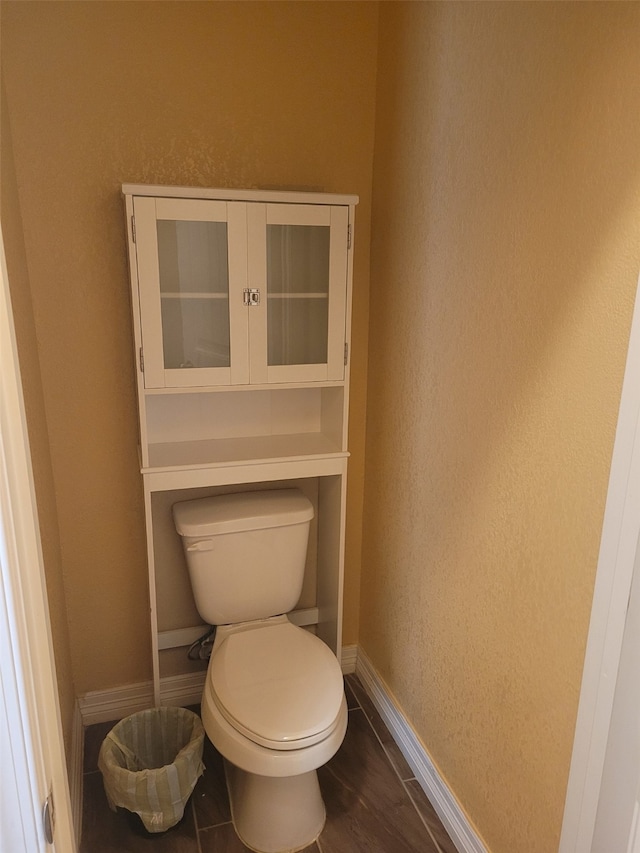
(200, 545)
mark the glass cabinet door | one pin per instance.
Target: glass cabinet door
(297, 294)
(187, 255)
(235, 292)
(194, 293)
(302, 268)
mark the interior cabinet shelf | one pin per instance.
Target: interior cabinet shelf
(297, 296)
(224, 389)
(194, 296)
(210, 453)
(197, 295)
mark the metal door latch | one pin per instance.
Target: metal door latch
(251, 296)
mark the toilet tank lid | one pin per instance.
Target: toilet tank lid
(219, 514)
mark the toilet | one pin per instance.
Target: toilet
(273, 703)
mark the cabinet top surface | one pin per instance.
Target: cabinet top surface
(282, 196)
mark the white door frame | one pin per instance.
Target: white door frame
(33, 761)
(610, 600)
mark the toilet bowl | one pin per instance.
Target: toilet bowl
(273, 703)
(274, 707)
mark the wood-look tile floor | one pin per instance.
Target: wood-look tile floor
(374, 803)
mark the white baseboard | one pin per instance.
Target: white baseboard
(76, 769)
(449, 810)
(182, 690)
(102, 706)
(348, 659)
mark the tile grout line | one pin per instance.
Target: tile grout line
(399, 776)
(352, 692)
(216, 825)
(426, 825)
(384, 749)
(195, 823)
(355, 698)
(211, 825)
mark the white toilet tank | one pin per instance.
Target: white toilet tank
(245, 552)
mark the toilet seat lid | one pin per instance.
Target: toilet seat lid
(279, 685)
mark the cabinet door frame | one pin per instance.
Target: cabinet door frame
(336, 217)
(147, 212)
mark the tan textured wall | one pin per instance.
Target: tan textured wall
(22, 308)
(505, 256)
(210, 94)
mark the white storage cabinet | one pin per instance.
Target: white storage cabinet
(241, 312)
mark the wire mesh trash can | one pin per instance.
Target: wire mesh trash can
(150, 763)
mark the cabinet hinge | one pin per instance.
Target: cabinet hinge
(48, 818)
(348, 236)
(141, 361)
(133, 228)
(346, 354)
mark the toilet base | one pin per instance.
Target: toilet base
(275, 814)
